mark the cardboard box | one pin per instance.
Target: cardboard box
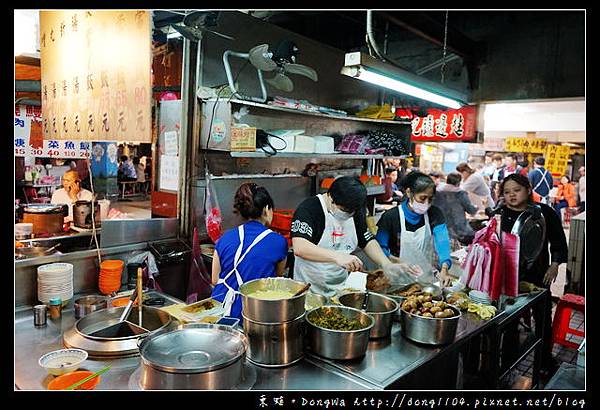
(243, 139)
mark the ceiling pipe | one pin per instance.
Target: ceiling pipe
(373, 43)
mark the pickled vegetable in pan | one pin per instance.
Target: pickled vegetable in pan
(336, 321)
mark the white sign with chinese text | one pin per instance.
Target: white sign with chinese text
(171, 143)
(22, 130)
(169, 173)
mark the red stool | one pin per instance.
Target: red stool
(560, 325)
(570, 211)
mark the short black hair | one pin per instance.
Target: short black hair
(389, 170)
(349, 193)
(418, 182)
(540, 161)
(453, 178)
(124, 158)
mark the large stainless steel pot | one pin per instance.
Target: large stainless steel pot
(429, 330)
(338, 344)
(436, 293)
(46, 218)
(381, 308)
(272, 311)
(196, 356)
(275, 344)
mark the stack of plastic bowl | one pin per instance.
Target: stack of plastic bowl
(109, 280)
(55, 280)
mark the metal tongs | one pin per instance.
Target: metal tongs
(137, 292)
(129, 306)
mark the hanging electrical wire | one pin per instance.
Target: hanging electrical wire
(443, 69)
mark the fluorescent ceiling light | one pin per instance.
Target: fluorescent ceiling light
(366, 68)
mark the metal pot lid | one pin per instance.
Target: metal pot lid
(530, 226)
(43, 208)
(193, 350)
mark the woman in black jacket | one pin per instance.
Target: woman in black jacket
(517, 197)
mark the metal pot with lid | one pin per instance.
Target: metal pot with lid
(82, 214)
(193, 356)
(46, 218)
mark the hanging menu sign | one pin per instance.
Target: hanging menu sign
(450, 125)
(525, 145)
(557, 158)
(96, 82)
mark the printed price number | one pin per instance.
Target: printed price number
(140, 95)
(70, 153)
(53, 153)
(37, 151)
(20, 151)
(121, 98)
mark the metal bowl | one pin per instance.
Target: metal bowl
(88, 304)
(272, 311)
(339, 344)
(380, 307)
(314, 300)
(429, 330)
(435, 291)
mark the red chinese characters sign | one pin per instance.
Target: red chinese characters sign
(451, 125)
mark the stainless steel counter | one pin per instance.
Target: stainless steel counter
(386, 364)
(31, 343)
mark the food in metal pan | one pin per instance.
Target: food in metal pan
(201, 306)
(336, 321)
(429, 309)
(271, 294)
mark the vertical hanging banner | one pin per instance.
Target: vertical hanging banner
(557, 158)
(96, 82)
(450, 125)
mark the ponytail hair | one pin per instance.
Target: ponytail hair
(250, 200)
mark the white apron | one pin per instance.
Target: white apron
(233, 293)
(416, 248)
(326, 277)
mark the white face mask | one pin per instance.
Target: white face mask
(340, 215)
(420, 208)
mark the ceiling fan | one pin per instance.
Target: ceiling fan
(282, 60)
(197, 22)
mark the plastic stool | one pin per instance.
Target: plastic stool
(562, 318)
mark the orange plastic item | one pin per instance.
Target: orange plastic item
(282, 219)
(66, 380)
(122, 302)
(112, 265)
(562, 319)
(326, 183)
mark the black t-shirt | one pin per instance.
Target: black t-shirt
(555, 237)
(390, 223)
(309, 223)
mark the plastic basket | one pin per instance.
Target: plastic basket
(282, 219)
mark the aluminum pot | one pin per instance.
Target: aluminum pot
(275, 344)
(429, 330)
(338, 344)
(380, 307)
(88, 304)
(272, 311)
(197, 356)
(46, 218)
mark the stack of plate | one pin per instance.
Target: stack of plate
(55, 280)
(480, 297)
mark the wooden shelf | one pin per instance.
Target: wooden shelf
(314, 114)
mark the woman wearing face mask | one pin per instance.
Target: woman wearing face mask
(415, 230)
(326, 229)
(517, 194)
(250, 251)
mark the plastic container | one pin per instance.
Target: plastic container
(55, 308)
(66, 380)
(23, 230)
(282, 219)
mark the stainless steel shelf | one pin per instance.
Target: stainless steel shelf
(259, 154)
(314, 114)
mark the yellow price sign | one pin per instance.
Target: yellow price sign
(557, 158)
(525, 145)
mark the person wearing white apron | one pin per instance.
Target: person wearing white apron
(408, 231)
(251, 251)
(326, 229)
(541, 180)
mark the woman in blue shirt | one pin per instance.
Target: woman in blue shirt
(250, 251)
(415, 231)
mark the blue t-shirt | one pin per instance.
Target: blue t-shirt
(260, 262)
